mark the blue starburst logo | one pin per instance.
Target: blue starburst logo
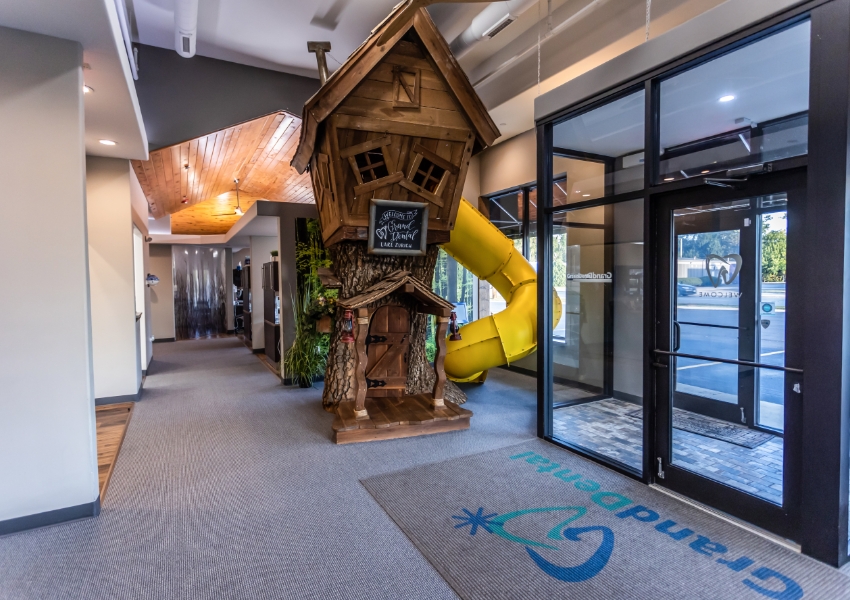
(479, 519)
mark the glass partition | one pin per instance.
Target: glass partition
(597, 344)
(600, 153)
(744, 108)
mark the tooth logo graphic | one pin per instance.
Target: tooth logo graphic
(723, 273)
(495, 524)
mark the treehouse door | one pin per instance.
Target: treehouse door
(387, 351)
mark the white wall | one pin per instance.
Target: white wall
(117, 366)
(261, 247)
(509, 164)
(140, 297)
(472, 185)
(48, 448)
(140, 219)
(162, 294)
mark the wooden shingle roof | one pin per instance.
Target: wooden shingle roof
(398, 280)
(361, 62)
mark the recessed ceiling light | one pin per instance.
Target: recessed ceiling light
(586, 195)
(726, 98)
(669, 178)
(578, 191)
(108, 143)
(87, 89)
(706, 171)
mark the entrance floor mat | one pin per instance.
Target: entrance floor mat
(536, 521)
(714, 428)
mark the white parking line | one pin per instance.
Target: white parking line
(697, 366)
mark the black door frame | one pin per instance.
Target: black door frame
(825, 483)
(783, 520)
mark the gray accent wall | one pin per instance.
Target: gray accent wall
(184, 98)
(162, 294)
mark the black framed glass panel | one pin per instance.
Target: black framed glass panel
(600, 153)
(597, 341)
(745, 108)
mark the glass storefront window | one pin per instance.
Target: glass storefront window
(744, 108)
(457, 285)
(597, 345)
(600, 153)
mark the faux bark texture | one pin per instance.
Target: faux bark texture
(358, 270)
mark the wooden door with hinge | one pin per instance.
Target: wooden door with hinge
(388, 352)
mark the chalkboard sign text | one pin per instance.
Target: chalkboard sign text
(398, 227)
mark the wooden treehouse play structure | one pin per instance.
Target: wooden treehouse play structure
(388, 139)
(382, 349)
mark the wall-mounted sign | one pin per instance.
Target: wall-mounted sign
(398, 227)
(590, 277)
(768, 308)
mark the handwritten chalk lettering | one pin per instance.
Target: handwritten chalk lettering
(398, 227)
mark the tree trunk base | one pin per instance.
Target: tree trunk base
(358, 270)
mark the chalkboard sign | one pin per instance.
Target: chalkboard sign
(398, 227)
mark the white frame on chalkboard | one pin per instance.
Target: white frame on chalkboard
(423, 248)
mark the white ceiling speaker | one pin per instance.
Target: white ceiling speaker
(185, 27)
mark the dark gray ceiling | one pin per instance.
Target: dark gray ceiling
(184, 98)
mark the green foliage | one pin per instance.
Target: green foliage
(430, 348)
(700, 245)
(773, 248)
(306, 359)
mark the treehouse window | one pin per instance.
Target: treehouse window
(371, 165)
(428, 175)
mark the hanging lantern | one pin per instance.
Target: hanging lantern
(347, 327)
(453, 328)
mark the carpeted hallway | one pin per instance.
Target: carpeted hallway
(228, 486)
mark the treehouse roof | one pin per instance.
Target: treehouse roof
(361, 62)
(407, 283)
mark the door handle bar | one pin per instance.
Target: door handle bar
(729, 361)
(678, 336)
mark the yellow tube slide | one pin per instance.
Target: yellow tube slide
(507, 336)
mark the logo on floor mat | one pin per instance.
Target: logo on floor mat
(495, 524)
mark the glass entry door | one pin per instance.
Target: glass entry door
(727, 392)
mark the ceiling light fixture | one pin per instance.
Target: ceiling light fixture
(586, 195)
(726, 98)
(706, 171)
(87, 89)
(669, 178)
(108, 143)
(238, 205)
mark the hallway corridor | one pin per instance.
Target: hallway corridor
(228, 486)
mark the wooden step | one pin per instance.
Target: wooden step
(397, 417)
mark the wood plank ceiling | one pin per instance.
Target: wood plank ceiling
(194, 181)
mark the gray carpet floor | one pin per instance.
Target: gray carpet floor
(228, 486)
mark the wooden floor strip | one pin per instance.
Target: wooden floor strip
(112, 421)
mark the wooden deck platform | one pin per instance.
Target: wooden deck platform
(112, 421)
(394, 417)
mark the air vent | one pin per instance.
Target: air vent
(186, 44)
(499, 26)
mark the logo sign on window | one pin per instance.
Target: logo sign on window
(590, 277)
(721, 266)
